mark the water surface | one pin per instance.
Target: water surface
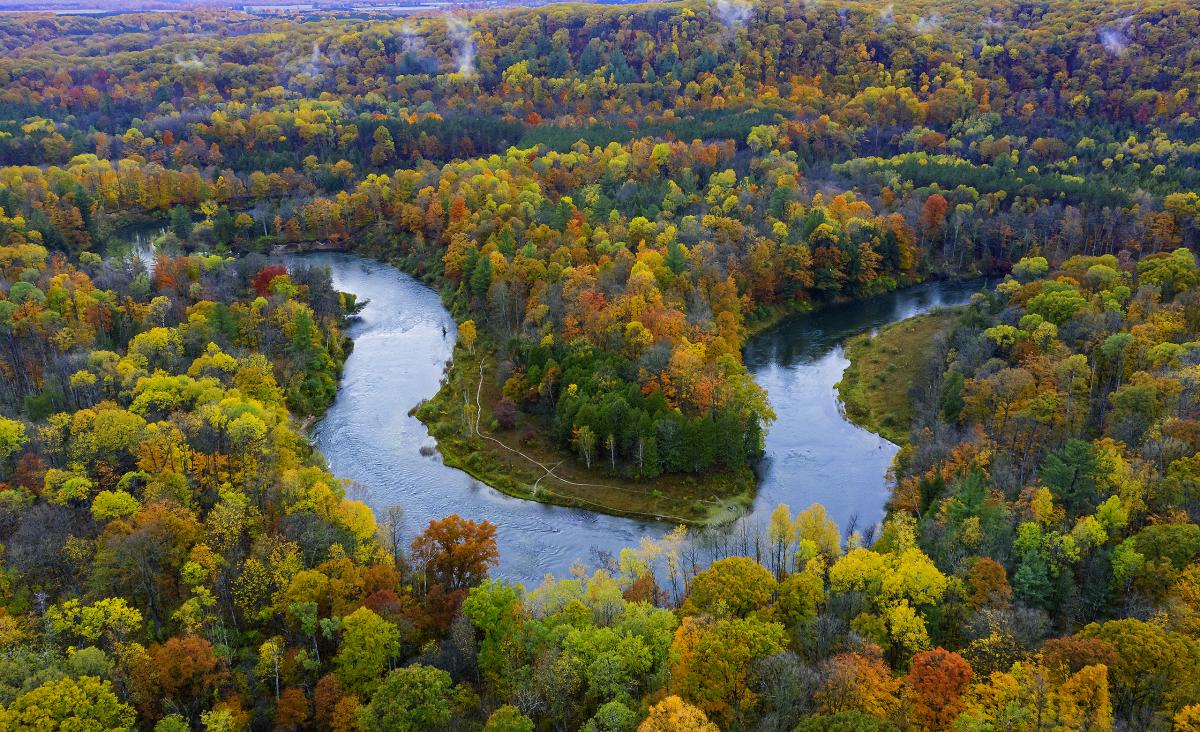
(813, 454)
(406, 336)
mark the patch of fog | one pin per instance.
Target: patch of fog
(464, 44)
(410, 41)
(190, 61)
(928, 23)
(1115, 38)
(732, 14)
(887, 15)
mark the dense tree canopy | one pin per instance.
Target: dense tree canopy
(610, 200)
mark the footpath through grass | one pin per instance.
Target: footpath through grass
(874, 389)
(525, 463)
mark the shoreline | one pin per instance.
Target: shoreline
(873, 389)
(535, 469)
(544, 473)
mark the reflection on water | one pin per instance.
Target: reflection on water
(398, 359)
(813, 454)
(136, 242)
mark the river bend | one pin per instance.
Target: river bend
(405, 337)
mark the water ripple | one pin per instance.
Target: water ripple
(400, 351)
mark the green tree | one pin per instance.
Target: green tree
(612, 717)
(369, 643)
(676, 259)
(414, 698)
(481, 277)
(851, 721)
(1071, 473)
(951, 403)
(494, 608)
(508, 719)
(384, 148)
(113, 504)
(181, 222)
(1154, 675)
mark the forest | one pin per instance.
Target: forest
(610, 200)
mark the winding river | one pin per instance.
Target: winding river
(405, 337)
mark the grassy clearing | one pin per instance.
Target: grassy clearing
(523, 461)
(874, 388)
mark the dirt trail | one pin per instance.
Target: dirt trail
(549, 471)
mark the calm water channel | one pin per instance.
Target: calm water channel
(813, 453)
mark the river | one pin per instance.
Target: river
(402, 343)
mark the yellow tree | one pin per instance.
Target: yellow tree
(675, 715)
(83, 703)
(712, 660)
(467, 333)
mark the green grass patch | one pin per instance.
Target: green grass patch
(874, 388)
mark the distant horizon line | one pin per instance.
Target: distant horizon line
(267, 7)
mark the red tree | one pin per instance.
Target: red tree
(186, 671)
(292, 710)
(933, 213)
(936, 682)
(1068, 655)
(262, 281)
(456, 552)
(326, 696)
(505, 413)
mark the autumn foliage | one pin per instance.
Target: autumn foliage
(610, 201)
